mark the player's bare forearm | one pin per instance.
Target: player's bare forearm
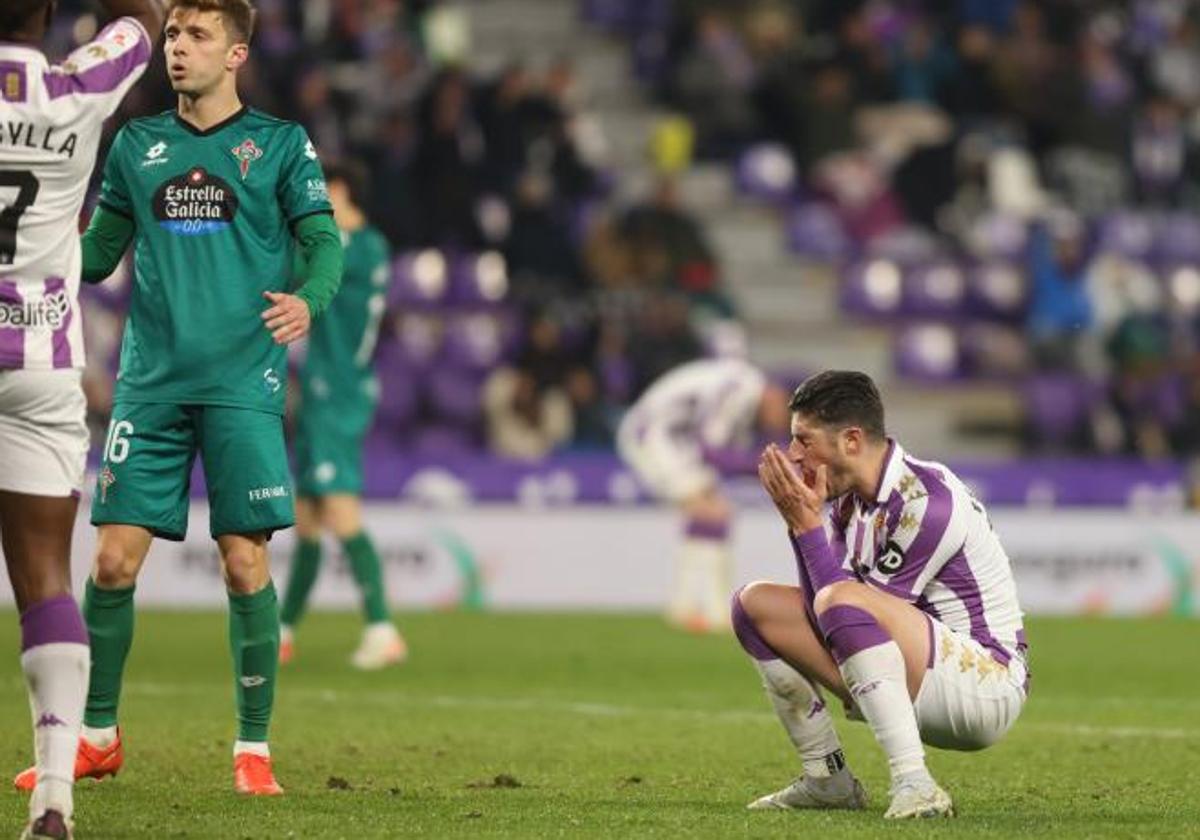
(288, 317)
(149, 13)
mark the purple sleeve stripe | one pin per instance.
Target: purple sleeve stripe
(60, 340)
(938, 508)
(957, 577)
(12, 339)
(103, 77)
(895, 509)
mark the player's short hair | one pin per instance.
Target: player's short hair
(14, 14)
(354, 176)
(841, 398)
(238, 15)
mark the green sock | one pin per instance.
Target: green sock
(364, 564)
(306, 562)
(109, 617)
(254, 643)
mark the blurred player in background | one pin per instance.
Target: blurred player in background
(214, 196)
(688, 422)
(338, 393)
(52, 115)
(909, 616)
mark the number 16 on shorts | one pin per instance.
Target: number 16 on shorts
(116, 446)
(116, 450)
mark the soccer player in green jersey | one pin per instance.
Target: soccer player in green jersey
(338, 392)
(215, 197)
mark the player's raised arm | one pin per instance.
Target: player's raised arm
(149, 13)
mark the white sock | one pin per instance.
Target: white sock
(56, 676)
(379, 630)
(877, 681)
(801, 710)
(252, 747)
(717, 578)
(99, 736)
(698, 563)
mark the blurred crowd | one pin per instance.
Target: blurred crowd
(595, 299)
(1058, 137)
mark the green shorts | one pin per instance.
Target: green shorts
(147, 469)
(329, 448)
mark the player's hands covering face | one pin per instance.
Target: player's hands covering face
(800, 501)
(288, 319)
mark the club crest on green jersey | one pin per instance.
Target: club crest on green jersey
(246, 153)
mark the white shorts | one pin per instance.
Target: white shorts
(43, 432)
(968, 700)
(669, 470)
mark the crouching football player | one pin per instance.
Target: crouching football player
(906, 609)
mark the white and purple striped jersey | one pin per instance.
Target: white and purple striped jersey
(50, 121)
(705, 404)
(926, 539)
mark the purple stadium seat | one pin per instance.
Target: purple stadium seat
(649, 56)
(475, 341)
(1126, 233)
(456, 397)
(419, 279)
(906, 245)
(767, 172)
(814, 230)
(871, 288)
(928, 352)
(933, 290)
(440, 441)
(994, 351)
(414, 341)
(608, 14)
(1058, 407)
(998, 290)
(616, 378)
(478, 279)
(1178, 239)
(399, 396)
(999, 236)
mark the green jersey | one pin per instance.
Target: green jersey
(213, 213)
(340, 345)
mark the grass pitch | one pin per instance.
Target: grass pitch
(519, 725)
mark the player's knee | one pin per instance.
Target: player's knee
(754, 599)
(744, 626)
(115, 567)
(843, 593)
(245, 570)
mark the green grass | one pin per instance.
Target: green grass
(613, 726)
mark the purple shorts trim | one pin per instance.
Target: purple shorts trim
(932, 642)
(701, 529)
(747, 634)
